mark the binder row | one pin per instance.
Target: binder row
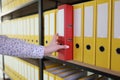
(19, 69)
(54, 71)
(96, 32)
(8, 5)
(25, 28)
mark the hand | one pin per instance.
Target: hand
(54, 46)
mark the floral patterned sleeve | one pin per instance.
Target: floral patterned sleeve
(20, 48)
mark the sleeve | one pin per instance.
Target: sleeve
(20, 48)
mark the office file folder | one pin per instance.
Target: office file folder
(20, 28)
(78, 33)
(50, 26)
(52, 22)
(24, 28)
(103, 33)
(89, 32)
(36, 29)
(65, 30)
(115, 53)
(28, 29)
(32, 27)
(46, 28)
(37, 73)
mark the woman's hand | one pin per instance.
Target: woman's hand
(54, 46)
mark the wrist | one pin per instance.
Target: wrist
(46, 51)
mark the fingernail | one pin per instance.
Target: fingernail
(67, 46)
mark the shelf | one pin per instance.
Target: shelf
(52, 4)
(20, 7)
(31, 61)
(88, 67)
(32, 7)
(70, 1)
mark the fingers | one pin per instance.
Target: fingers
(63, 46)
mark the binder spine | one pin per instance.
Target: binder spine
(67, 39)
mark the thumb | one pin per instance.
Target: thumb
(55, 37)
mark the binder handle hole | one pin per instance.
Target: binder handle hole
(36, 40)
(46, 42)
(61, 44)
(32, 40)
(118, 50)
(88, 47)
(77, 45)
(102, 49)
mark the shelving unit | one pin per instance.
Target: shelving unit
(39, 6)
(18, 8)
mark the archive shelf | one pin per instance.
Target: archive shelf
(20, 7)
(31, 61)
(97, 70)
(39, 6)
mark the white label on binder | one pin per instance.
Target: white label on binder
(20, 27)
(32, 73)
(117, 19)
(26, 76)
(102, 20)
(24, 23)
(28, 26)
(51, 78)
(52, 23)
(60, 22)
(77, 22)
(15, 32)
(45, 76)
(22, 72)
(36, 26)
(36, 74)
(46, 25)
(29, 72)
(88, 22)
(32, 25)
